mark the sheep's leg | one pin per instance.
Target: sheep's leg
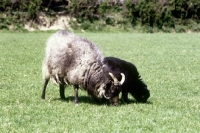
(124, 97)
(45, 82)
(75, 93)
(62, 91)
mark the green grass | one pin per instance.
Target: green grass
(168, 63)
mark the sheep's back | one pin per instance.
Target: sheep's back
(69, 56)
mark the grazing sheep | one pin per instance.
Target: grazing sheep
(133, 83)
(73, 60)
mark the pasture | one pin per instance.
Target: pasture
(168, 63)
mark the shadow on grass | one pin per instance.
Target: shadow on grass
(132, 101)
(84, 99)
(89, 100)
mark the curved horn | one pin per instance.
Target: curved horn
(114, 78)
(123, 79)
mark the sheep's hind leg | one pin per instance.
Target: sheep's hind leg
(75, 94)
(45, 82)
(62, 91)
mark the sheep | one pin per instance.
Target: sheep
(76, 61)
(133, 84)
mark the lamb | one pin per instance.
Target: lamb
(73, 60)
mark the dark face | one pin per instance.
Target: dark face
(140, 93)
(112, 91)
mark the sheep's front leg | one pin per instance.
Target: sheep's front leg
(45, 82)
(124, 97)
(62, 91)
(75, 94)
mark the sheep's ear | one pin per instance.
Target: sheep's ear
(101, 90)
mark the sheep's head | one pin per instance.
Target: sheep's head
(113, 88)
(139, 91)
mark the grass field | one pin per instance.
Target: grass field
(168, 63)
